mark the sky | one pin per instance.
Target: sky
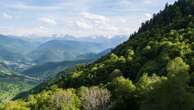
(75, 17)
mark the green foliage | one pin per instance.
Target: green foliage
(177, 66)
(17, 105)
(145, 83)
(122, 86)
(9, 89)
(56, 99)
(173, 93)
(122, 94)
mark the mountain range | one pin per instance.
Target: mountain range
(25, 62)
(23, 52)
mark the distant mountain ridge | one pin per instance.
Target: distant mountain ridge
(24, 48)
(25, 62)
(13, 48)
(42, 71)
(20, 53)
(61, 50)
(94, 55)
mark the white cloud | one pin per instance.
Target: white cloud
(83, 25)
(95, 17)
(23, 6)
(148, 15)
(151, 1)
(47, 20)
(94, 20)
(148, 1)
(6, 15)
(90, 23)
(24, 31)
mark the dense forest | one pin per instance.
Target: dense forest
(153, 70)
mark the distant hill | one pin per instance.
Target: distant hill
(105, 41)
(20, 53)
(52, 49)
(94, 56)
(43, 71)
(61, 50)
(13, 48)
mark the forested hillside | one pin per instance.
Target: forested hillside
(153, 70)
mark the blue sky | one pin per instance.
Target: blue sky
(75, 17)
